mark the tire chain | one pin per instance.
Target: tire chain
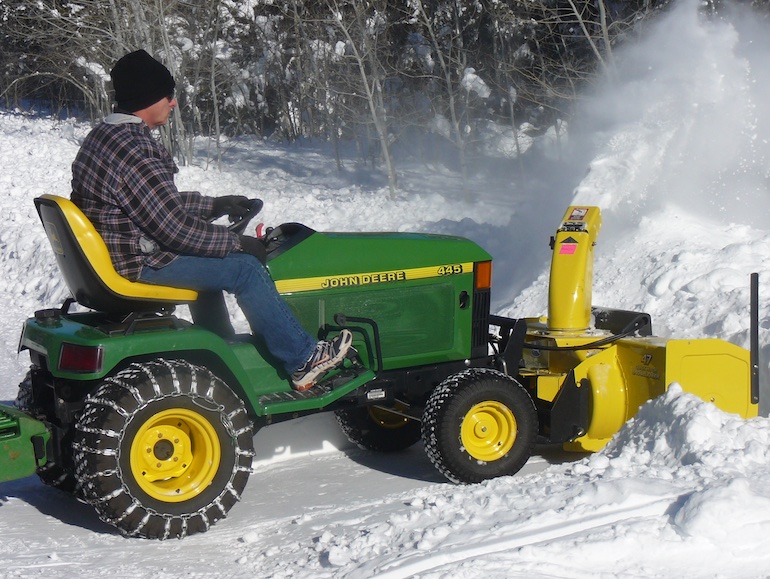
(100, 432)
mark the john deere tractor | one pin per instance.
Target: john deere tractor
(150, 417)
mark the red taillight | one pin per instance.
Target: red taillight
(483, 273)
(80, 359)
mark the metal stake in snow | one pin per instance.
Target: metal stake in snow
(754, 346)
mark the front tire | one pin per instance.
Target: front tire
(163, 449)
(479, 424)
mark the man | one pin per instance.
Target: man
(123, 180)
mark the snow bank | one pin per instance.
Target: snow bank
(681, 480)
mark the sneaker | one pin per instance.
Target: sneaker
(327, 356)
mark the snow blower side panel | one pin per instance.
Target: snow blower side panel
(714, 370)
(621, 378)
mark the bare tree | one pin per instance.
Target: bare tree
(363, 28)
(445, 33)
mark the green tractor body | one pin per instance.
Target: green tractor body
(413, 303)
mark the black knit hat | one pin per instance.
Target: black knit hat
(140, 81)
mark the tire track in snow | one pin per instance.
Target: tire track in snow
(411, 565)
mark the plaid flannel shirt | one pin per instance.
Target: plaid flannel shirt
(123, 181)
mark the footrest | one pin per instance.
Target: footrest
(322, 394)
(293, 396)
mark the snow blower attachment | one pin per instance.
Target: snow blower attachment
(150, 417)
(589, 369)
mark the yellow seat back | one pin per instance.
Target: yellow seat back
(85, 263)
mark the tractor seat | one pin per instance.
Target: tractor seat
(85, 263)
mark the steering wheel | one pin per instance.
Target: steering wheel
(239, 225)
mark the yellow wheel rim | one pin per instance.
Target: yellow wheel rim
(386, 419)
(488, 431)
(175, 455)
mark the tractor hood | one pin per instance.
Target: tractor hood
(305, 260)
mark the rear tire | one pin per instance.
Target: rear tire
(375, 428)
(479, 424)
(163, 449)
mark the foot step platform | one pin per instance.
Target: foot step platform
(337, 385)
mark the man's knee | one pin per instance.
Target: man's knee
(245, 259)
(249, 271)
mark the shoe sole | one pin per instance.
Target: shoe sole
(309, 379)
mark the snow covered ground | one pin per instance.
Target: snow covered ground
(677, 148)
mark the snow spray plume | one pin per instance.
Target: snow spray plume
(696, 88)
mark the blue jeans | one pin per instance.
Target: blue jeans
(244, 276)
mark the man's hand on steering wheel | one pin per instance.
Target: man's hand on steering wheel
(234, 206)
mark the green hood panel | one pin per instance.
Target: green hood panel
(418, 288)
(331, 260)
